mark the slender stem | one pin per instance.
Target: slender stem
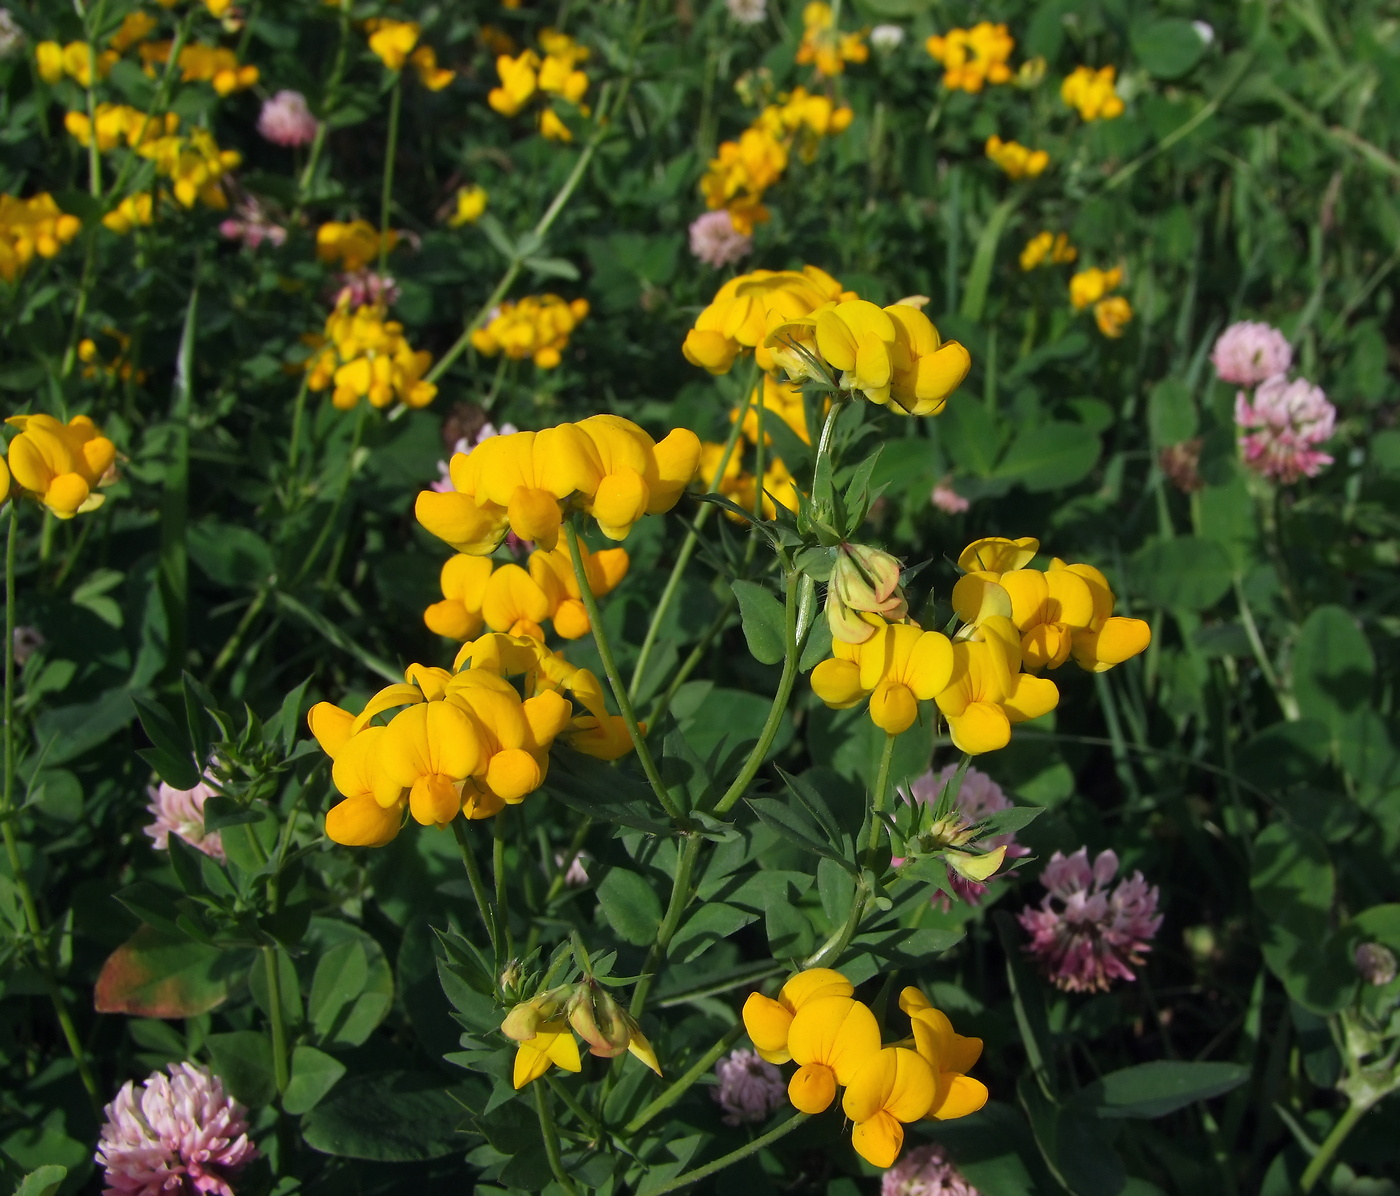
(690, 1177)
(1286, 701)
(391, 149)
(498, 874)
(670, 922)
(331, 95)
(1330, 1145)
(680, 1087)
(600, 638)
(483, 901)
(830, 951)
(280, 1064)
(881, 799)
(780, 703)
(227, 652)
(298, 411)
(556, 883)
(551, 1138)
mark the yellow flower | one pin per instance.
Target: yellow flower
(133, 210)
(1112, 314)
(551, 1044)
(826, 47)
(1047, 609)
(1108, 639)
(430, 75)
(463, 580)
(391, 41)
(768, 1021)
(471, 203)
(368, 357)
(519, 81)
(75, 60)
(542, 1028)
(830, 1038)
(554, 573)
(30, 227)
(1015, 159)
(893, 1087)
(949, 1055)
(997, 554)
(1046, 246)
(60, 464)
(135, 27)
(974, 57)
(1089, 286)
(538, 327)
(1092, 93)
(987, 692)
(353, 244)
(552, 127)
(897, 667)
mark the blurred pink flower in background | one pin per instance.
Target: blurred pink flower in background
(178, 1135)
(1248, 352)
(1284, 422)
(948, 500)
(749, 1090)
(252, 225)
(925, 1171)
(715, 241)
(181, 812)
(358, 287)
(1087, 931)
(747, 12)
(978, 798)
(286, 120)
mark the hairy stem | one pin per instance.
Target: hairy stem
(483, 900)
(551, 1138)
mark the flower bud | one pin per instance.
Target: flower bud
(863, 579)
(975, 867)
(599, 1020)
(522, 1022)
(1375, 963)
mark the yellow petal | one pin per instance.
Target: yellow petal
(767, 1022)
(362, 822)
(812, 1088)
(958, 1095)
(879, 1140)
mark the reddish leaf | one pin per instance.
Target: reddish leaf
(157, 974)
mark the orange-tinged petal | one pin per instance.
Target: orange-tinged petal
(461, 521)
(513, 773)
(837, 683)
(361, 821)
(958, 1095)
(387, 698)
(837, 1031)
(812, 984)
(534, 515)
(879, 1140)
(621, 500)
(893, 707)
(1119, 640)
(1030, 697)
(767, 1022)
(812, 1088)
(981, 727)
(511, 594)
(1071, 599)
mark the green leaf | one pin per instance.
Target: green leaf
(630, 905)
(1028, 998)
(1171, 413)
(314, 1074)
(790, 934)
(43, 1182)
(818, 645)
(1188, 573)
(1333, 668)
(244, 1059)
(796, 828)
(172, 753)
(340, 977)
(392, 1117)
(1167, 48)
(1049, 456)
(970, 435)
(1072, 1144)
(355, 1021)
(763, 620)
(1009, 821)
(1156, 1089)
(984, 257)
(713, 922)
(233, 556)
(159, 974)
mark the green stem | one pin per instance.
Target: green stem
(1330, 1145)
(391, 149)
(1286, 701)
(556, 884)
(680, 1087)
(498, 874)
(230, 648)
(280, 1063)
(670, 922)
(830, 951)
(331, 95)
(483, 901)
(881, 799)
(690, 1177)
(298, 412)
(780, 703)
(551, 1138)
(600, 638)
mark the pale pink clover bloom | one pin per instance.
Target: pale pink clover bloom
(181, 1135)
(715, 241)
(947, 499)
(978, 799)
(1087, 930)
(252, 225)
(181, 812)
(1284, 422)
(1248, 352)
(747, 12)
(286, 120)
(925, 1171)
(576, 874)
(359, 287)
(750, 1089)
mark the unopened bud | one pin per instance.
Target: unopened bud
(1375, 963)
(868, 579)
(599, 1020)
(952, 831)
(522, 1023)
(847, 625)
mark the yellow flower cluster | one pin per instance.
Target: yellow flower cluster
(462, 741)
(974, 57)
(1111, 312)
(537, 327)
(195, 166)
(215, 65)
(739, 485)
(393, 42)
(826, 47)
(119, 124)
(130, 212)
(59, 464)
(525, 482)
(367, 356)
(119, 366)
(556, 74)
(1015, 159)
(542, 1027)
(136, 27)
(476, 593)
(1017, 622)
(75, 60)
(471, 203)
(743, 170)
(352, 244)
(32, 226)
(1092, 93)
(817, 1023)
(1047, 247)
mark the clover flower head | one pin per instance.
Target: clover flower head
(1087, 930)
(747, 12)
(750, 1089)
(886, 38)
(177, 1134)
(576, 875)
(1375, 963)
(1283, 424)
(358, 288)
(925, 1171)
(180, 812)
(250, 224)
(285, 119)
(978, 798)
(1249, 352)
(11, 35)
(715, 241)
(946, 498)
